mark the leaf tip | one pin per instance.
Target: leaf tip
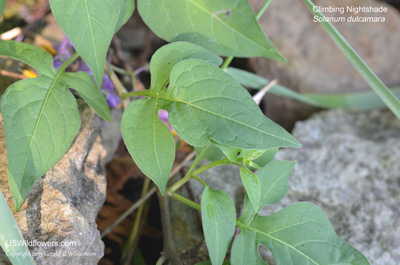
(107, 115)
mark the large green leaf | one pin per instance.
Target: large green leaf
(41, 119)
(357, 100)
(87, 89)
(29, 54)
(167, 56)
(218, 218)
(9, 231)
(3, 4)
(90, 25)
(223, 27)
(126, 10)
(207, 103)
(302, 234)
(149, 141)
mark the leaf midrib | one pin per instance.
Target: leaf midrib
(41, 112)
(216, 114)
(154, 137)
(91, 32)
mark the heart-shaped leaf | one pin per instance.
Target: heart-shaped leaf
(207, 103)
(148, 140)
(41, 119)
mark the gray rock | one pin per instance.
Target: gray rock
(63, 204)
(111, 134)
(349, 166)
(315, 64)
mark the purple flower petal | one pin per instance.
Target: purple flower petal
(163, 115)
(113, 100)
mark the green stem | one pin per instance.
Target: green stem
(68, 62)
(226, 63)
(260, 12)
(201, 181)
(161, 260)
(131, 74)
(188, 177)
(169, 246)
(141, 93)
(184, 200)
(121, 71)
(262, 9)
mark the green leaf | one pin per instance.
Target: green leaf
(209, 152)
(218, 218)
(3, 4)
(223, 27)
(369, 76)
(41, 119)
(149, 141)
(90, 25)
(207, 103)
(126, 10)
(83, 83)
(357, 100)
(273, 180)
(302, 234)
(30, 55)
(9, 230)
(245, 249)
(251, 183)
(165, 58)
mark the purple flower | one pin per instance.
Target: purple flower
(64, 50)
(163, 115)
